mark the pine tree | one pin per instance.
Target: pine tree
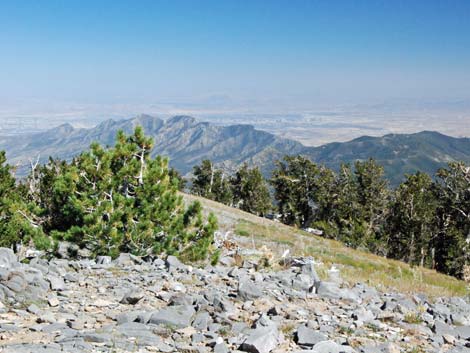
(175, 176)
(211, 183)
(373, 197)
(295, 182)
(453, 241)
(131, 204)
(411, 224)
(340, 215)
(250, 191)
(18, 223)
(118, 199)
(52, 187)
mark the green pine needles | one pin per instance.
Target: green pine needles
(113, 200)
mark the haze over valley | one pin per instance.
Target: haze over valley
(312, 127)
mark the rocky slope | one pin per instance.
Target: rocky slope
(241, 305)
(188, 141)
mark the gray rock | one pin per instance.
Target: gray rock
(76, 324)
(57, 283)
(173, 316)
(234, 272)
(181, 299)
(159, 263)
(33, 348)
(127, 317)
(225, 305)
(5, 327)
(95, 337)
(331, 347)
(307, 337)
(133, 296)
(459, 319)
(8, 259)
(363, 315)
(221, 348)
(202, 320)
(34, 309)
(303, 282)
(441, 328)
(71, 277)
(142, 334)
(440, 311)
(54, 327)
(173, 264)
(136, 259)
(261, 340)
(47, 317)
(16, 282)
(124, 259)
(53, 301)
(239, 327)
(309, 270)
(463, 332)
(331, 290)
(247, 290)
(406, 305)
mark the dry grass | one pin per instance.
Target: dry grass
(355, 265)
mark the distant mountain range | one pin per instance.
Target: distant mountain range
(400, 154)
(188, 141)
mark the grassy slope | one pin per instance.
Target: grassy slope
(355, 265)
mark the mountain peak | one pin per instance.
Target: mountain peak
(62, 129)
(181, 119)
(145, 117)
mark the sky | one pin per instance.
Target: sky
(294, 52)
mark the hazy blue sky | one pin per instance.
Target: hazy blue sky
(300, 51)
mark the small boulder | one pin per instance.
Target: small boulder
(202, 321)
(124, 259)
(178, 316)
(463, 332)
(7, 258)
(172, 264)
(16, 282)
(331, 290)
(331, 347)
(132, 297)
(261, 340)
(57, 283)
(307, 337)
(33, 309)
(53, 301)
(247, 290)
(221, 348)
(363, 315)
(308, 269)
